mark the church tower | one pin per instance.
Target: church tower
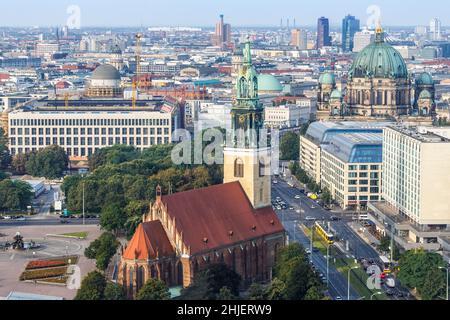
(247, 153)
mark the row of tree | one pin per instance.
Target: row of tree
(124, 180)
(50, 162)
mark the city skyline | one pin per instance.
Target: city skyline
(250, 13)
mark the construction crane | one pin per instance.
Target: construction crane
(135, 85)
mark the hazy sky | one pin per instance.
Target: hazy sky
(205, 12)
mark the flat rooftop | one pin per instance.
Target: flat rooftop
(424, 135)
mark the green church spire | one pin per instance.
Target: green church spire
(247, 111)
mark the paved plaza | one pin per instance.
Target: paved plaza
(12, 262)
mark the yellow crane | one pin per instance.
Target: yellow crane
(135, 84)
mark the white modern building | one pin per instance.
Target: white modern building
(416, 180)
(82, 132)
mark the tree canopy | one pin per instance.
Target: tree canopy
(290, 146)
(5, 157)
(153, 289)
(420, 269)
(15, 195)
(92, 287)
(102, 250)
(50, 162)
(209, 282)
(292, 268)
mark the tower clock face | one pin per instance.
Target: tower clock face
(241, 119)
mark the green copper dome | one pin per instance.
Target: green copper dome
(336, 94)
(267, 82)
(379, 60)
(425, 94)
(327, 78)
(425, 79)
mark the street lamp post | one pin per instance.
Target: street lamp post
(348, 281)
(446, 292)
(375, 294)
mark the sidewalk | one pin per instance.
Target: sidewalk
(363, 233)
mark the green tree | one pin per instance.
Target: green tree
(293, 269)
(50, 162)
(414, 270)
(15, 195)
(226, 294)
(209, 281)
(102, 250)
(92, 287)
(114, 291)
(276, 290)
(5, 157)
(113, 217)
(153, 289)
(290, 146)
(314, 293)
(326, 196)
(433, 284)
(19, 163)
(256, 292)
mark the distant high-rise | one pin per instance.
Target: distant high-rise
(222, 36)
(323, 33)
(435, 29)
(362, 39)
(350, 25)
(299, 39)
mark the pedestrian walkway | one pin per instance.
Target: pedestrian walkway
(363, 233)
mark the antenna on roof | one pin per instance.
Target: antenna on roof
(170, 187)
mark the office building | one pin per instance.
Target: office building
(351, 169)
(320, 133)
(416, 210)
(46, 49)
(285, 116)
(350, 25)
(435, 29)
(362, 39)
(323, 33)
(88, 125)
(299, 39)
(222, 34)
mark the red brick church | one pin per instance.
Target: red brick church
(233, 223)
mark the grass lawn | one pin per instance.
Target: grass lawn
(81, 235)
(358, 277)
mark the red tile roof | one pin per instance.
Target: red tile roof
(149, 241)
(218, 216)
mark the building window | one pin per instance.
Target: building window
(239, 168)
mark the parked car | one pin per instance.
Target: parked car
(334, 218)
(7, 217)
(309, 218)
(64, 221)
(297, 196)
(338, 298)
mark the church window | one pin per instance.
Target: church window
(238, 168)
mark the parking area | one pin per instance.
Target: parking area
(13, 262)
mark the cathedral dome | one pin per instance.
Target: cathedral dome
(268, 83)
(336, 94)
(379, 60)
(424, 79)
(105, 72)
(327, 78)
(425, 94)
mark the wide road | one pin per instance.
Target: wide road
(46, 222)
(290, 218)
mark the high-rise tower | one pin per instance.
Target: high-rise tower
(350, 25)
(323, 33)
(247, 154)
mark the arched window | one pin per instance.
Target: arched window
(140, 278)
(238, 168)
